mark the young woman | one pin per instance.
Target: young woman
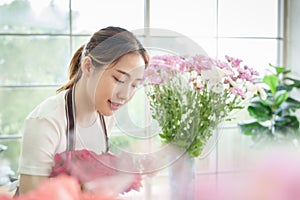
(103, 75)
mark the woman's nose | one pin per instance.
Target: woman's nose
(124, 93)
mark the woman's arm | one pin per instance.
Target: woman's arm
(39, 142)
(29, 182)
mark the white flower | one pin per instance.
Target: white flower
(256, 89)
(232, 83)
(218, 88)
(214, 75)
(251, 87)
(262, 92)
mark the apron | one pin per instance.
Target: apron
(71, 121)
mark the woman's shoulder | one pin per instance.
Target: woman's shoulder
(53, 108)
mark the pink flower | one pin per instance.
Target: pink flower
(241, 70)
(223, 65)
(200, 62)
(237, 91)
(5, 197)
(236, 62)
(87, 166)
(62, 187)
(192, 79)
(246, 76)
(202, 71)
(228, 58)
(93, 196)
(253, 72)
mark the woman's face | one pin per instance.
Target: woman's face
(117, 84)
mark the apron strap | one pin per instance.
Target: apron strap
(70, 120)
(105, 132)
(70, 115)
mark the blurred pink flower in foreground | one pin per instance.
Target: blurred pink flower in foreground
(276, 177)
(61, 188)
(101, 173)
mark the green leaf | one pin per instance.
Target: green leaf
(269, 101)
(285, 87)
(279, 69)
(296, 83)
(286, 122)
(286, 107)
(255, 99)
(286, 71)
(252, 128)
(280, 97)
(272, 81)
(260, 111)
(293, 103)
(163, 136)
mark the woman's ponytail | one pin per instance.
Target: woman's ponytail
(74, 69)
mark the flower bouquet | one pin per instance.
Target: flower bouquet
(101, 173)
(190, 96)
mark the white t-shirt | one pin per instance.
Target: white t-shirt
(44, 135)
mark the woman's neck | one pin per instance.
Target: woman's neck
(85, 110)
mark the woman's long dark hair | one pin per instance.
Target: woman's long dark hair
(105, 47)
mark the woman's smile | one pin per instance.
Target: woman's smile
(114, 105)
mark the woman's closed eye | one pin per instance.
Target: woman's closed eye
(118, 80)
(135, 84)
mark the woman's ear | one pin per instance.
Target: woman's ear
(87, 66)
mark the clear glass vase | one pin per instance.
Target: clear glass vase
(182, 178)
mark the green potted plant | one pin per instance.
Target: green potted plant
(275, 119)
